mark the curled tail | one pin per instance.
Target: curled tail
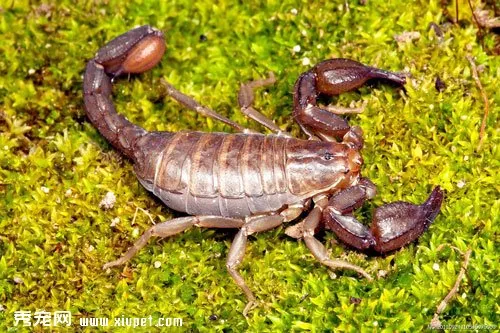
(136, 51)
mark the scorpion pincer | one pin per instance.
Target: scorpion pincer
(250, 181)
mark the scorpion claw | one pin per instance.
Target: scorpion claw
(332, 77)
(399, 223)
(394, 225)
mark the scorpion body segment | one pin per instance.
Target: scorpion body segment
(238, 175)
(250, 181)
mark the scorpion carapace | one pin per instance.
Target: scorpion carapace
(251, 181)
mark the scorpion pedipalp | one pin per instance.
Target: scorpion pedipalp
(394, 225)
(332, 77)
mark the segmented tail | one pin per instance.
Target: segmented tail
(136, 51)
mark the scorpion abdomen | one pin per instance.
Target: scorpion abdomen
(216, 173)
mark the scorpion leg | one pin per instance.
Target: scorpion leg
(331, 77)
(192, 104)
(246, 98)
(173, 227)
(393, 226)
(311, 224)
(237, 250)
(343, 110)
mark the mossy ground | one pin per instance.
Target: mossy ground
(55, 167)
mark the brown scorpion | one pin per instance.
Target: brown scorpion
(247, 180)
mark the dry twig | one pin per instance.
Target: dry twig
(485, 100)
(145, 212)
(435, 322)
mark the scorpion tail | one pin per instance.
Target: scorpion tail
(136, 51)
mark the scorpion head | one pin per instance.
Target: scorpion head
(321, 166)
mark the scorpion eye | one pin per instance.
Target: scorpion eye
(327, 156)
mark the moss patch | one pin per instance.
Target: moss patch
(55, 167)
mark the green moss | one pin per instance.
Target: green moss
(55, 167)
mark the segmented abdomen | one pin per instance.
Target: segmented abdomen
(215, 173)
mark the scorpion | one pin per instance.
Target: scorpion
(251, 181)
